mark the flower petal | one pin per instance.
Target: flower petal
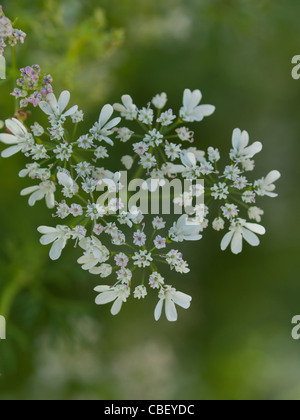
(105, 114)
(30, 190)
(203, 111)
(57, 249)
(64, 100)
(187, 98)
(36, 196)
(106, 297)
(254, 227)
(71, 111)
(102, 288)
(237, 243)
(46, 229)
(16, 127)
(8, 139)
(170, 309)
(48, 239)
(46, 108)
(11, 151)
(253, 149)
(50, 200)
(250, 237)
(65, 180)
(113, 123)
(272, 177)
(158, 310)
(236, 139)
(117, 306)
(182, 299)
(226, 240)
(195, 99)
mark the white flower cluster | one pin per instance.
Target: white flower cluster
(67, 172)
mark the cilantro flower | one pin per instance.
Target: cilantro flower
(102, 130)
(241, 151)
(58, 236)
(170, 297)
(240, 230)
(191, 110)
(118, 295)
(55, 108)
(20, 140)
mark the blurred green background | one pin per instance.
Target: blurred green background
(235, 341)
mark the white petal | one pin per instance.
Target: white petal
(245, 139)
(117, 306)
(108, 140)
(127, 101)
(236, 139)
(119, 108)
(187, 98)
(105, 114)
(65, 180)
(181, 299)
(226, 240)
(50, 200)
(158, 310)
(95, 270)
(30, 190)
(106, 297)
(90, 264)
(254, 227)
(16, 127)
(46, 108)
(182, 221)
(250, 237)
(64, 100)
(270, 194)
(36, 196)
(8, 139)
(71, 111)
(237, 243)
(48, 239)
(57, 249)
(253, 149)
(272, 177)
(193, 238)
(52, 101)
(195, 99)
(11, 151)
(170, 309)
(189, 159)
(46, 229)
(102, 288)
(203, 111)
(84, 259)
(112, 123)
